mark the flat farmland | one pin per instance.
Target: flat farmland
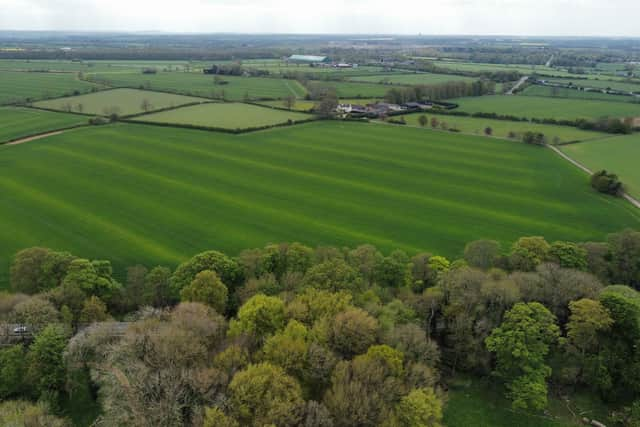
(25, 86)
(502, 128)
(566, 93)
(21, 122)
(543, 107)
(412, 79)
(617, 154)
(225, 115)
(628, 86)
(199, 84)
(140, 194)
(123, 102)
(354, 90)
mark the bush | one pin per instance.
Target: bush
(607, 183)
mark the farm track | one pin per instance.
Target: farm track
(635, 202)
(35, 137)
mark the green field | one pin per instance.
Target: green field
(502, 128)
(225, 115)
(86, 66)
(355, 90)
(304, 105)
(543, 107)
(629, 86)
(141, 194)
(21, 122)
(198, 84)
(617, 154)
(25, 86)
(123, 102)
(412, 79)
(558, 92)
(480, 403)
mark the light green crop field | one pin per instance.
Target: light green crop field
(629, 85)
(303, 105)
(355, 90)
(199, 84)
(139, 194)
(225, 115)
(412, 79)
(502, 128)
(87, 66)
(557, 92)
(546, 108)
(26, 86)
(21, 122)
(123, 102)
(617, 154)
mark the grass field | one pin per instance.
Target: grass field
(617, 154)
(543, 107)
(122, 101)
(303, 105)
(629, 86)
(198, 84)
(355, 90)
(502, 128)
(412, 79)
(86, 66)
(225, 115)
(557, 92)
(140, 194)
(25, 86)
(479, 403)
(20, 122)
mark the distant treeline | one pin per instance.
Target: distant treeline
(436, 92)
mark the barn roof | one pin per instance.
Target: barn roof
(307, 58)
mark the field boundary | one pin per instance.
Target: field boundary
(235, 131)
(635, 202)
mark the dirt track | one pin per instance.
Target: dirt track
(34, 137)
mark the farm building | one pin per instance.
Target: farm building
(307, 59)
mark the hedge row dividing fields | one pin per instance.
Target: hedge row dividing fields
(139, 194)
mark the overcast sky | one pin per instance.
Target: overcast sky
(513, 17)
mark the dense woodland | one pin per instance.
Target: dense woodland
(288, 335)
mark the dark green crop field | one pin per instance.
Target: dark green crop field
(22, 86)
(566, 93)
(198, 84)
(20, 122)
(140, 194)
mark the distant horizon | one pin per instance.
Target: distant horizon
(513, 18)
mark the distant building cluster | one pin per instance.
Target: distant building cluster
(318, 61)
(381, 109)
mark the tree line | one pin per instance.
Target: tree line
(436, 92)
(289, 335)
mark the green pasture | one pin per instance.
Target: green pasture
(623, 85)
(21, 122)
(502, 128)
(480, 403)
(199, 84)
(545, 107)
(304, 105)
(617, 154)
(87, 66)
(412, 79)
(353, 89)
(123, 102)
(558, 92)
(140, 194)
(24, 86)
(225, 115)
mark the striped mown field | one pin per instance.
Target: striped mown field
(225, 115)
(21, 86)
(21, 122)
(198, 84)
(139, 194)
(120, 101)
(412, 79)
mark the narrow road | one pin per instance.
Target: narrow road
(517, 85)
(548, 64)
(633, 201)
